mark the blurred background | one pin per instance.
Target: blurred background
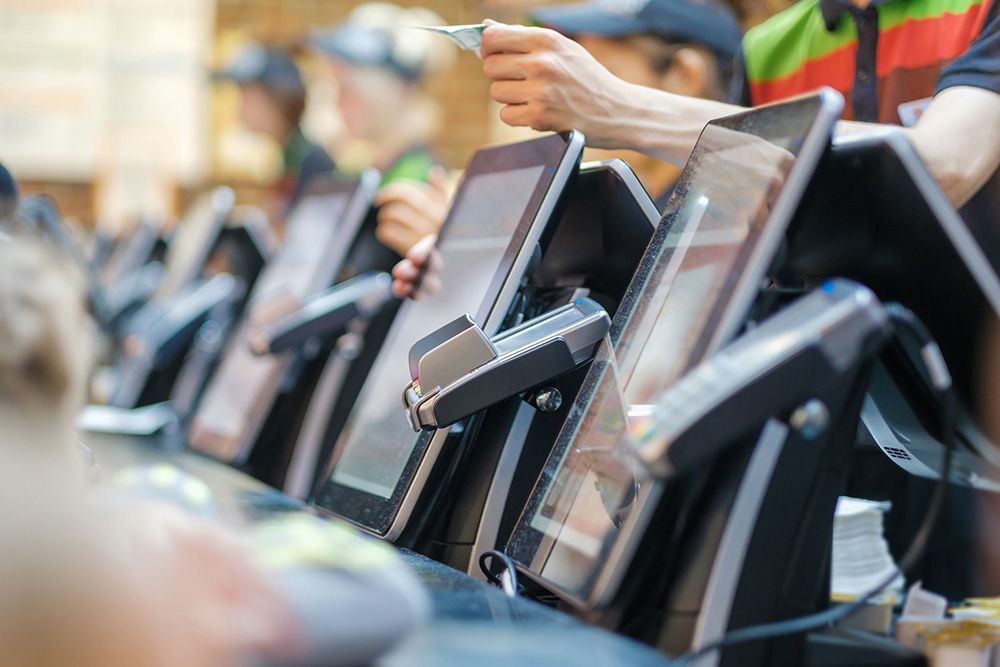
(109, 106)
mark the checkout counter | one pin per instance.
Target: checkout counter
(665, 454)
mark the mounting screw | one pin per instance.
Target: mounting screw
(548, 399)
(810, 419)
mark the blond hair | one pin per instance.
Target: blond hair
(45, 351)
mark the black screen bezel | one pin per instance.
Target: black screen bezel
(526, 533)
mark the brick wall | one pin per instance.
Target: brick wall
(75, 200)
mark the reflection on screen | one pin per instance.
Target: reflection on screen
(189, 244)
(233, 399)
(378, 441)
(715, 217)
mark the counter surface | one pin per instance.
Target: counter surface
(471, 622)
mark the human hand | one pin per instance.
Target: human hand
(411, 210)
(549, 82)
(420, 273)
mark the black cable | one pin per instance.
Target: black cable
(937, 370)
(509, 568)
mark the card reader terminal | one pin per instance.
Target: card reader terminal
(769, 371)
(458, 370)
(325, 314)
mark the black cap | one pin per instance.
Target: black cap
(271, 68)
(705, 22)
(8, 192)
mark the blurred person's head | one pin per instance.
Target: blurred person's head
(380, 64)
(685, 47)
(45, 350)
(272, 94)
(85, 582)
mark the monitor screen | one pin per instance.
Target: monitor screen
(238, 396)
(900, 237)
(699, 277)
(192, 240)
(493, 210)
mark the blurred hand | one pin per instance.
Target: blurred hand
(411, 210)
(549, 82)
(214, 604)
(420, 273)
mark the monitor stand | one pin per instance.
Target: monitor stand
(752, 544)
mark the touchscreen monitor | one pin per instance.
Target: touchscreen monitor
(194, 238)
(319, 233)
(490, 230)
(701, 272)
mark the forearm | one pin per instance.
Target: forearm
(654, 122)
(958, 138)
(549, 82)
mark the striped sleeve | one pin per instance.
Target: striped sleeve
(979, 66)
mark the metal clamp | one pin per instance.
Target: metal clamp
(457, 370)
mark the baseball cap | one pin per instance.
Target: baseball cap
(257, 64)
(8, 191)
(365, 45)
(706, 22)
(381, 34)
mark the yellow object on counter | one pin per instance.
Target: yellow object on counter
(959, 643)
(300, 540)
(983, 602)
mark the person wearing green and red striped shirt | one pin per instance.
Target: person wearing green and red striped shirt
(934, 62)
(880, 55)
(889, 58)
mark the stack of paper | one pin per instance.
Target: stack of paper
(861, 558)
